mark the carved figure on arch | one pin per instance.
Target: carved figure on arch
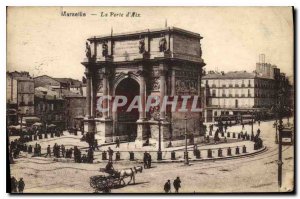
(162, 45)
(104, 49)
(88, 50)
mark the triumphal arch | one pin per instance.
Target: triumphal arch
(159, 62)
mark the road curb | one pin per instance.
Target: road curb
(214, 159)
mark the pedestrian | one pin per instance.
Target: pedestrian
(75, 154)
(84, 158)
(177, 184)
(39, 150)
(96, 144)
(117, 142)
(21, 185)
(48, 151)
(145, 160)
(149, 161)
(78, 156)
(90, 155)
(110, 154)
(70, 152)
(243, 126)
(63, 150)
(54, 150)
(258, 122)
(13, 183)
(29, 149)
(258, 132)
(167, 187)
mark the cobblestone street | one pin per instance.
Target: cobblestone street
(252, 173)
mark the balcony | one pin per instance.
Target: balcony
(243, 85)
(223, 85)
(236, 85)
(223, 95)
(236, 95)
(243, 95)
(230, 95)
(230, 86)
(213, 86)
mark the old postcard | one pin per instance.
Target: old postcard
(150, 100)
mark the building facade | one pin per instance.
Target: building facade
(161, 62)
(50, 107)
(241, 92)
(19, 96)
(75, 111)
(238, 92)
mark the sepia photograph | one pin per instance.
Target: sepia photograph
(154, 100)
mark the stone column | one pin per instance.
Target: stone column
(105, 124)
(162, 71)
(93, 95)
(173, 82)
(142, 114)
(105, 92)
(88, 93)
(141, 123)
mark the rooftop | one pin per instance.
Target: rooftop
(146, 32)
(229, 75)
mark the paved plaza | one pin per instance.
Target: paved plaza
(252, 173)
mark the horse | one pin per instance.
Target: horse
(129, 173)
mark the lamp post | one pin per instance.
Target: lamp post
(280, 128)
(44, 111)
(159, 153)
(21, 118)
(252, 133)
(186, 155)
(276, 130)
(279, 162)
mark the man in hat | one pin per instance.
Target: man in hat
(21, 185)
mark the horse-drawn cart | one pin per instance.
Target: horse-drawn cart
(102, 183)
(115, 179)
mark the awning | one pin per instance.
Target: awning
(31, 119)
(37, 124)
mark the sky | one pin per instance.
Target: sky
(41, 41)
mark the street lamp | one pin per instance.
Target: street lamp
(159, 153)
(280, 128)
(276, 130)
(279, 162)
(252, 133)
(21, 118)
(186, 155)
(44, 114)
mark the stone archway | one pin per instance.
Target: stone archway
(125, 122)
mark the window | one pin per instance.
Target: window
(243, 84)
(214, 93)
(223, 93)
(230, 93)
